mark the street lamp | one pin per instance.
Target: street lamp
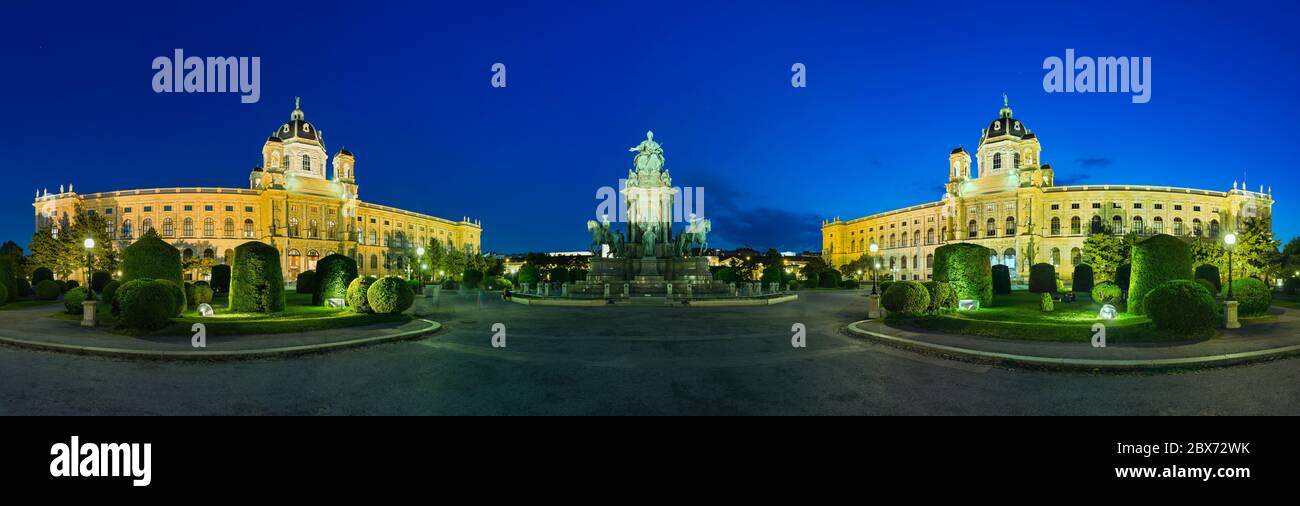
(875, 266)
(1230, 240)
(89, 243)
(420, 252)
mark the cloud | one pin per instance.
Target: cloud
(1070, 179)
(741, 219)
(1093, 162)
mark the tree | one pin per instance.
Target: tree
(1256, 252)
(14, 252)
(93, 226)
(1105, 253)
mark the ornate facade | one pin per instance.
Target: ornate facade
(1014, 207)
(290, 203)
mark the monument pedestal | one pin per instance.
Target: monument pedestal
(1230, 315)
(873, 307)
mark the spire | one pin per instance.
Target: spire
(297, 109)
(1006, 107)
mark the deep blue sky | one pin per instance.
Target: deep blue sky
(891, 89)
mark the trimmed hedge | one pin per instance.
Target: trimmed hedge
(906, 297)
(48, 289)
(357, 295)
(1157, 260)
(73, 299)
(1042, 278)
(42, 274)
(200, 294)
(942, 297)
(146, 304)
(220, 278)
(1210, 273)
(306, 282)
(1181, 306)
(9, 278)
(150, 257)
(1253, 297)
(178, 295)
(333, 275)
(99, 280)
(1123, 276)
(1208, 285)
(1107, 292)
(390, 295)
(829, 278)
(884, 285)
(1082, 281)
(257, 283)
(965, 266)
(1001, 280)
(109, 295)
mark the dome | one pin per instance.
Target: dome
(1006, 124)
(297, 128)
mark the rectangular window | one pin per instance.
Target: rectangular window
(248, 209)
(230, 209)
(1074, 206)
(1056, 207)
(207, 208)
(167, 209)
(1114, 205)
(189, 208)
(1178, 207)
(126, 209)
(1096, 205)
(1160, 206)
(148, 209)
(1137, 205)
(1196, 209)
(108, 211)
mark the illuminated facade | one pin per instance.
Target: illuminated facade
(1014, 208)
(290, 204)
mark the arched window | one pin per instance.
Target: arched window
(1056, 256)
(1157, 225)
(1117, 225)
(973, 229)
(993, 257)
(1178, 226)
(1076, 227)
(312, 257)
(1138, 227)
(374, 260)
(893, 241)
(1196, 227)
(208, 253)
(929, 236)
(916, 262)
(168, 231)
(1076, 256)
(1011, 225)
(1056, 226)
(902, 263)
(893, 263)
(374, 238)
(248, 228)
(312, 230)
(187, 254)
(110, 227)
(1097, 227)
(293, 227)
(997, 161)
(904, 242)
(332, 230)
(991, 228)
(187, 227)
(1214, 229)
(229, 227)
(126, 230)
(306, 163)
(943, 234)
(146, 225)
(1015, 160)
(209, 228)
(929, 261)
(295, 262)
(1009, 259)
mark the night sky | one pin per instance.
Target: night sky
(891, 90)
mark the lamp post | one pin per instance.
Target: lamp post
(1230, 240)
(875, 266)
(90, 245)
(420, 252)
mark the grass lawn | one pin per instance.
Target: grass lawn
(1286, 301)
(299, 316)
(1017, 316)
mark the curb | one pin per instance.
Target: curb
(1030, 361)
(221, 355)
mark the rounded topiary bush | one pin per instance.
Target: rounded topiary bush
(306, 282)
(1181, 306)
(98, 280)
(1209, 273)
(1082, 281)
(48, 289)
(390, 295)
(884, 285)
(109, 295)
(150, 257)
(1106, 292)
(70, 284)
(906, 297)
(201, 294)
(1157, 260)
(1042, 278)
(1001, 280)
(9, 278)
(357, 294)
(1252, 296)
(966, 268)
(942, 297)
(42, 274)
(73, 299)
(256, 283)
(178, 295)
(146, 304)
(220, 278)
(333, 275)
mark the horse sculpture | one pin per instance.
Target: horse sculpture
(696, 233)
(602, 235)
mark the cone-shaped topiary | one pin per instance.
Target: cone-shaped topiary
(256, 285)
(1042, 278)
(906, 297)
(1210, 273)
(1001, 279)
(1157, 260)
(966, 268)
(150, 257)
(98, 280)
(306, 282)
(333, 275)
(1082, 281)
(357, 295)
(391, 295)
